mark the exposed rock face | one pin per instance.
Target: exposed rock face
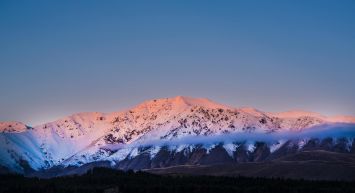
(311, 165)
(218, 154)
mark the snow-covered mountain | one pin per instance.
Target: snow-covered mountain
(161, 127)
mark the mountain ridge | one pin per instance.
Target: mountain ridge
(186, 101)
(123, 137)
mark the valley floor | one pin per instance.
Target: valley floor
(113, 181)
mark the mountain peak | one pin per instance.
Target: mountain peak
(252, 111)
(190, 101)
(176, 104)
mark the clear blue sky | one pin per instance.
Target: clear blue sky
(62, 57)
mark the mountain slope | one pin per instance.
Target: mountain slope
(146, 136)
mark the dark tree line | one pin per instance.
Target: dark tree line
(112, 181)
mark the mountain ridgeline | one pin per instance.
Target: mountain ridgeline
(184, 135)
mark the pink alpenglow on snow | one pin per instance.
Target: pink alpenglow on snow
(180, 122)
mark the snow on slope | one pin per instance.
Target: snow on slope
(84, 137)
(52, 142)
(341, 119)
(13, 127)
(16, 147)
(299, 113)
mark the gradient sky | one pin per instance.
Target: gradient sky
(62, 57)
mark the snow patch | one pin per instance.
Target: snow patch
(134, 153)
(230, 148)
(277, 145)
(251, 147)
(209, 147)
(302, 143)
(153, 151)
(120, 154)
